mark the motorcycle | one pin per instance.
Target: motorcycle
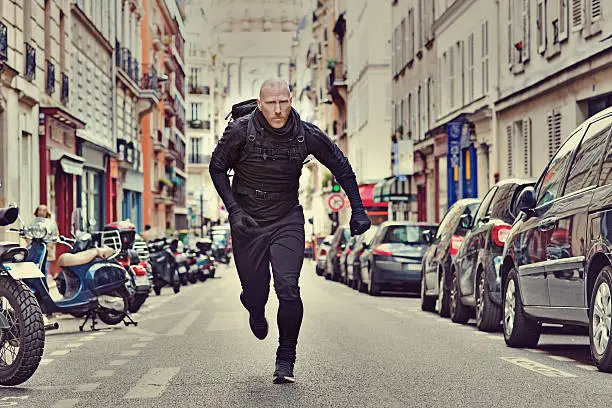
(22, 332)
(138, 284)
(205, 250)
(163, 268)
(194, 266)
(91, 282)
(180, 259)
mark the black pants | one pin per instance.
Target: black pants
(281, 245)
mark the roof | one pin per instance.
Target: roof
(516, 181)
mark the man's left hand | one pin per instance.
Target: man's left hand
(360, 222)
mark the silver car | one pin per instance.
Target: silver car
(322, 254)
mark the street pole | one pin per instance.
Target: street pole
(202, 214)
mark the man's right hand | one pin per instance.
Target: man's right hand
(241, 223)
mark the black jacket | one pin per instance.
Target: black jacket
(273, 165)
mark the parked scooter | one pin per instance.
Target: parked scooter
(206, 255)
(163, 266)
(22, 333)
(193, 265)
(91, 282)
(180, 259)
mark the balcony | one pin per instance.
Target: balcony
(149, 80)
(149, 95)
(199, 124)
(128, 67)
(179, 82)
(178, 195)
(50, 80)
(160, 144)
(3, 42)
(199, 89)
(30, 63)
(179, 116)
(65, 91)
(169, 103)
(176, 149)
(199, 159)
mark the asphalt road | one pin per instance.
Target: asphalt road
(195, 350)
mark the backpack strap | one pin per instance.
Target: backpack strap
(251, 136)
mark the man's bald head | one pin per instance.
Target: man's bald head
(276, 84)
(275, 101)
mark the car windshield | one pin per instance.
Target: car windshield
(405, 234)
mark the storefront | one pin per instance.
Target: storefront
(462, 163)
(395, 191)
(379, 211)
(59, 164)
(131, 203)
(91, 185)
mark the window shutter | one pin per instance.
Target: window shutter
(510, 149)
(595, 10)
(510, 42)
(577, 15)
(526, 31)
(541, 26)
(554, 132)
(425, 23)
(527, 147)
(563, 20)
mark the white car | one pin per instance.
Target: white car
(322, 254)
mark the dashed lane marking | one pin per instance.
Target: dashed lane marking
(86, 338)
(537, 351)
(74, 345)
(561, 358)
(495, 337)
(182, 326)
(46, 361)
(153, 383)
(60, 353)
(391, 311)
(131, 353)
(66, 403)
(86, 387)
(587, 367)
(116, 363)
(104, 373)
(144, 339)
(227, 321)
(536, 367)
(139, 345)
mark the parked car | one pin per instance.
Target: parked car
(350, 245)
(332, 265)
(475, 271)
(443, 246)
(558, 255)
(353, 260)
(322, 254)
(393, 260)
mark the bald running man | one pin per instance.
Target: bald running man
(266, 149)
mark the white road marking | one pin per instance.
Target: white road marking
(145, 339)
(587, 367)
(86, 387)
(74, 345)
(131, 353)
(104, 373)
(98, 333)
(536, 367)
(182, 326)
(537, 351)
(139, 345)
(46, 361)
(60, 353)
(66, 403)
(118, 362)
(86, 338)
(480, 332)
(495, 337)
(227, 321)
(153, 383)
(391, 311)
(562, 358)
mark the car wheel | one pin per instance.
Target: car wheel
(488, 314)
(519, 329)
(600, 320)
(428, 303)
(443, 303)
(373, 287)
(458, 312)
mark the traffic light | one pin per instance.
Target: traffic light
(335, 186)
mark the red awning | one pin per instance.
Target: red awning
(366, 191)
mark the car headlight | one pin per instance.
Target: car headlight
(38, 230)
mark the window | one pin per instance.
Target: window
(461, 72)
(526, 146)
(419, 129)
(62, 41)
(606, 169)
(47, 29)
(577, 11)
(429, 102)
(548, 189)
(541, 23)
(412, 34)
(554, 132)
(595, 10)
(563, 20)
(404, 53)
(485, 57)
(451, 78)
(194, 77)
(195, 111)
(421, 24)
(470, 68)
(401, 121)
(509, 34)
(409, 116)
(525, 20)
(405, 234)
(586, 163)
(483, 210)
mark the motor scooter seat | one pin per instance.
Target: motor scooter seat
(84, 257)
(7, 246)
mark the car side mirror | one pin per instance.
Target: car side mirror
(526, 201)
(427, 236)
(466, 221)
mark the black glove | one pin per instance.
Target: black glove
(241, 223)
(360, 222)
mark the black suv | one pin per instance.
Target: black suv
(558, 255)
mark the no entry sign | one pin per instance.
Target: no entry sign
(335, 202)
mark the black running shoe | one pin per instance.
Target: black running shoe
(284, 372)
(259, 325)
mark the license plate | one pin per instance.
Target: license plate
(142, 281)
(412, 267)
(23, 270)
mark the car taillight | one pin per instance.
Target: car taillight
(383, 250)
(139, 270)
(500, 233)
(455, 243)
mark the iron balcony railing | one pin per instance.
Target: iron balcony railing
(65, 91)
(3, 42)
(30, 68)
(197, 158)
(149, 79)
(50, 83)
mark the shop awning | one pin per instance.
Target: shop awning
(395, 188)
(70, 163)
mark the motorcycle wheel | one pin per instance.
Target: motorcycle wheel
(113, 317)
(60, 283)
(193, 278)
(202, 277)
(22, 344)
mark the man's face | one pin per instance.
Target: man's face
(275, 104)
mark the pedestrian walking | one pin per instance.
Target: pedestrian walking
(266, 144)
